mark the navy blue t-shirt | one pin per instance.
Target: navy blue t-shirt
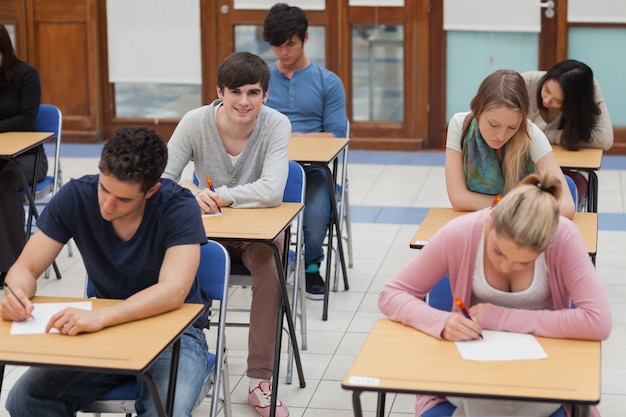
(119, 269)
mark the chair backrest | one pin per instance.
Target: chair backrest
(572, 189)
(214, 270)
(50, 119)
(295, 187)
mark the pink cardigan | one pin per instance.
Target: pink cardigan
(452, 251)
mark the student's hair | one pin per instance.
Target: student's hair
(136, 155)
(579, 110)
(529, 214)
(9, 59)
(284, 21)
(243, 68)
(506, 88)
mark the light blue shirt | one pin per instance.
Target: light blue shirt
(313, 99)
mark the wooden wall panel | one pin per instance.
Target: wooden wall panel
(63, 41)
(64, 71)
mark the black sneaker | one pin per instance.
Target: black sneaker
(314, 286)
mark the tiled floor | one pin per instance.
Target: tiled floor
(390, 193)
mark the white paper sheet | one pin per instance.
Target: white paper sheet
(42, 314)
(215, 213)
(501, 346)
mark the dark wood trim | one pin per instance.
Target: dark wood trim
(437, 70)
(619, 142)
(548, 38)
(209, 45)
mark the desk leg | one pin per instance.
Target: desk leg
(380, 405)
(341, 213)
(592, 192)
(168, 410)
(29, 194)
(285, 309)
(1, 376)
(356, 403)
(335, 220)
(583, 408)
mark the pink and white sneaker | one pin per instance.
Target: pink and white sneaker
(260, 398)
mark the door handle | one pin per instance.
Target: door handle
(549, 6)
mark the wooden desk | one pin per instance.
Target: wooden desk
(321, 151)
(263, 225)
(586, 159)
(14, 144)
(436, 217)
(397, 358)
(113, 349)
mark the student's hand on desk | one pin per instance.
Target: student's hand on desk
(72, 321)
(458, 328)
(208, 201)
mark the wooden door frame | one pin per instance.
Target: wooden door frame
(412, 132)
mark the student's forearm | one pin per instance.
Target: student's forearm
(471, 201)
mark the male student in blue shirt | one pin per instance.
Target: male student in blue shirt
(313, 98)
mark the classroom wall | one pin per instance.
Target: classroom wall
(473, 55)
(604, 50)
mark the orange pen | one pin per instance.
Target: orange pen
(464, 310)
(209, 183)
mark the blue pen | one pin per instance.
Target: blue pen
(464, 310)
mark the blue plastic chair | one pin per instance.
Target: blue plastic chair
(213, 276)
(573, 189)
(49, 119)
(240, 276)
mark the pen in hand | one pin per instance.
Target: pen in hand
(209, 183)
(16, 297)
(465, 311)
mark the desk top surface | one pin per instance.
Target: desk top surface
(125, 348)
(397, 358)
(14, 143)
(584, 158)
(260, 224)
(315, 149)
(436, 217)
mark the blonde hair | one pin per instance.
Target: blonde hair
(529, 214)
(507, 88)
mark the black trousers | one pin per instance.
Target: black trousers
(12, 234)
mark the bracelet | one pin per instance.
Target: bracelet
(196, 193)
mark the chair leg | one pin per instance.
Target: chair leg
(302, 293)
(299, 309)
(348, 228)
(228, 410)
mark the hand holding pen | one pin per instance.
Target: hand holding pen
(209, 184)
(18, 299)
(464, 311)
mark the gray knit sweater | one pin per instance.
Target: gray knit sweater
(257, 180)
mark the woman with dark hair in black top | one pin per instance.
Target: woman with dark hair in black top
(20, 96)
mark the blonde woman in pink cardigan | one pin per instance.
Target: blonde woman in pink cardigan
(518, 265)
